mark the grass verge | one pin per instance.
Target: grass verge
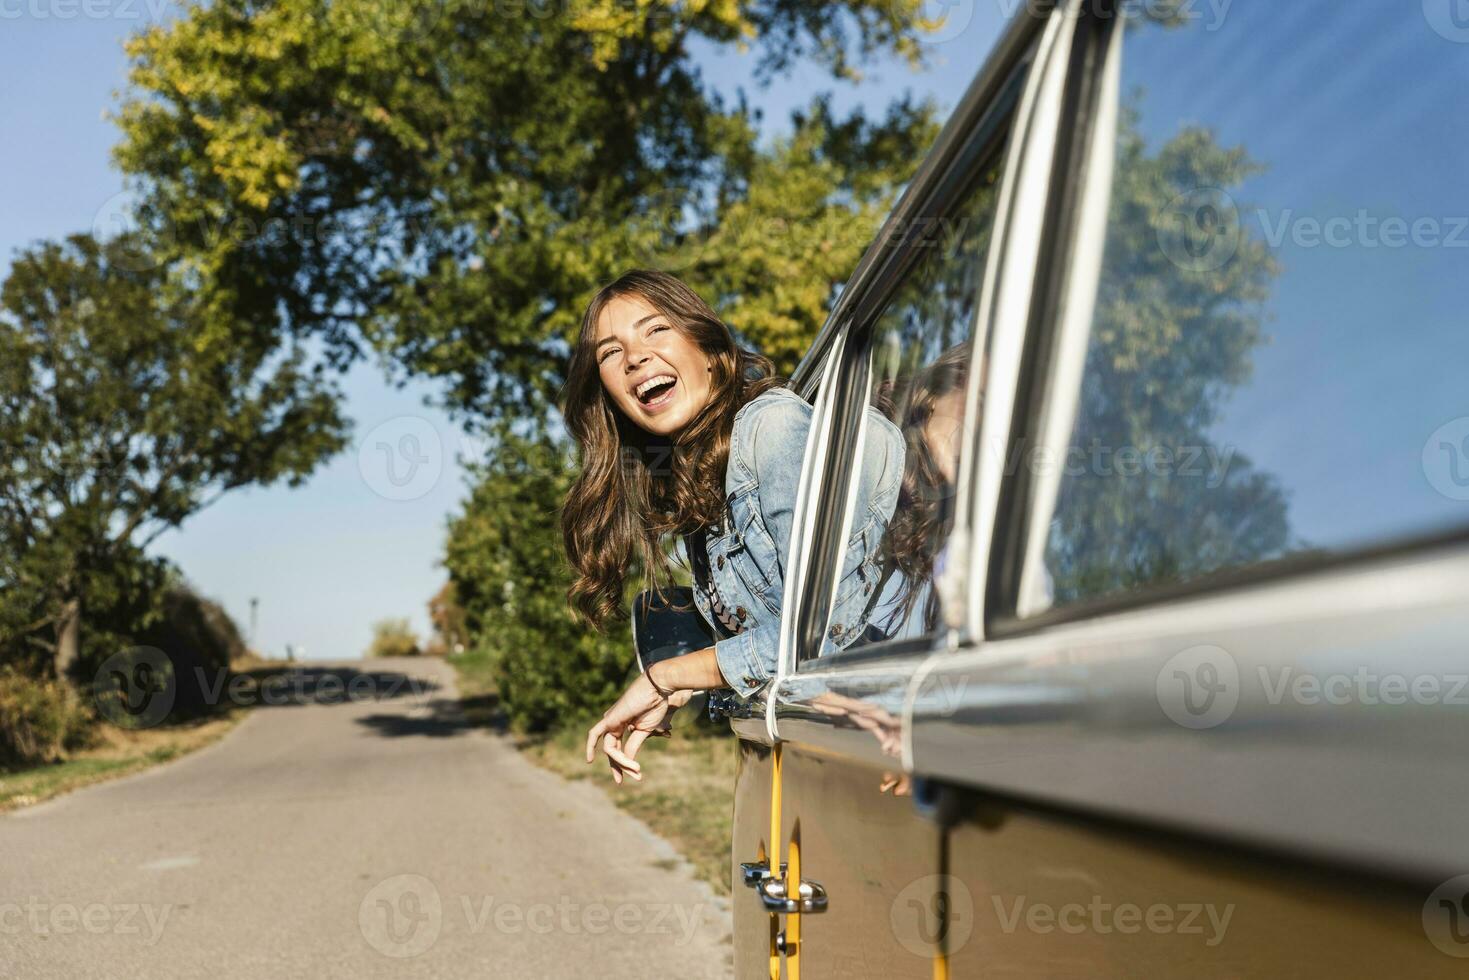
(478, 697)
(116, 752)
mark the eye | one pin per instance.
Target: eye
(659, 327)
(606, 353)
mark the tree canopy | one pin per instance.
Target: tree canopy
(117, 423)
(446, 182)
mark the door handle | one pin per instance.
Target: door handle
(810, 897)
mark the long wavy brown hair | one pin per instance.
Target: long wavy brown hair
(635, 488)
(924, 516)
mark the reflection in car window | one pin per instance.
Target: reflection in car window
(919, 362)
(1276, 359)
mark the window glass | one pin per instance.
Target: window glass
(1277, 356)
(916, 366)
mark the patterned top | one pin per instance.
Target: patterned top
(704, 582)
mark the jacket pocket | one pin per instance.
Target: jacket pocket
(744, 558)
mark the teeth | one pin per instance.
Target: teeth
(651, 382)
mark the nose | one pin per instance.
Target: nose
(634, 358)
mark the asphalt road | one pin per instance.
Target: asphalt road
(370, 835)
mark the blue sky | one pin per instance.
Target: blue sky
(329, 558)
(1365, 343)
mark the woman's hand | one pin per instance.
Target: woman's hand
(644, 709)
(639, 713)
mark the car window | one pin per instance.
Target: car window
(1276, 358)
(910, 377)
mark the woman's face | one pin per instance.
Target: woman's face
(656, 376)
(943, 431)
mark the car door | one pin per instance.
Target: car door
(1206, 713)
(857, 894)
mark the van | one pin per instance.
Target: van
(1166, 670)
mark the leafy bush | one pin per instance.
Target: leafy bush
(39, 720)
(201, 641)
(393, 638)
(510, 574)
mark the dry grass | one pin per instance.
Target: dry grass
(115, 752)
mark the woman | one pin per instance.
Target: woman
(929, 408)
(682, 433)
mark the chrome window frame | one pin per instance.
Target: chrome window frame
(944, 177)
(1036, 32)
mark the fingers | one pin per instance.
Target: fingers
(593, 734)
(635, 741)
(617, 770)
(612, 746)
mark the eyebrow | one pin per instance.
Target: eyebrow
(613, 340)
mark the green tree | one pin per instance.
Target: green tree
(505, 561)
(117, 423)
(446, 181)
(1173, 335)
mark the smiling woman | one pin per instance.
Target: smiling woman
(655, 374)
(684, 433)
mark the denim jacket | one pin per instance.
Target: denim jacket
(748, 552)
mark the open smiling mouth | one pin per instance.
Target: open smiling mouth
(657, 391)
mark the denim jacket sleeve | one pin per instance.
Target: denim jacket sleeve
(767, 447)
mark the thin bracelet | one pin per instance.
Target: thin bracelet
(665, 695)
